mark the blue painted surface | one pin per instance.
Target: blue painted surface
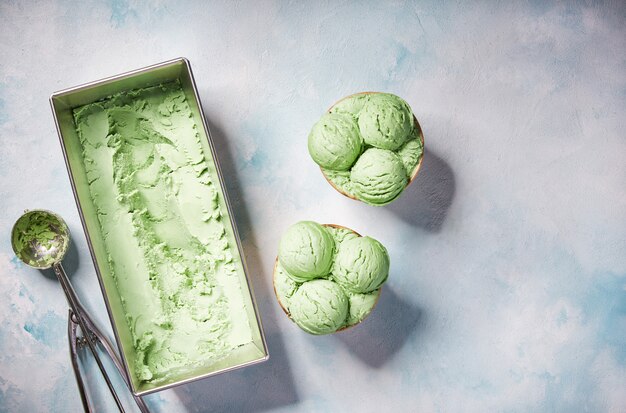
(508, 283)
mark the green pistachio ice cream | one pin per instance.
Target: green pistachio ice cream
(378, 176)
(361, 265)
(319, 307)
(386, 121)
(410, 154)
(306, 251)
(361, 305)
(165, 227)
(284, 285)
(351, 105)
(390, 154)
(335, 142)
(324, 305)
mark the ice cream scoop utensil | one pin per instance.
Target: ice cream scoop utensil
(41, 239)
(77, 343)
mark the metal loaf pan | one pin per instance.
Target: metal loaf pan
(63, 102)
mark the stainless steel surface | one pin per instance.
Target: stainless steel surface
(62, 103)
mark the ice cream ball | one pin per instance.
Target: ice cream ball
(386, 121)
(335, 142)
(306, 251)
(319, 307)
(378, 176)
(361, 265)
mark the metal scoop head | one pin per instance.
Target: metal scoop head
(40, 238)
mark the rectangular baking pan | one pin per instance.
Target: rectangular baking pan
(63, 102)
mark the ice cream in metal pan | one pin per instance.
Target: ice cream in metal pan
(159, 226)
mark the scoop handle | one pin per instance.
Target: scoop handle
(73, 342)
(108, 348)
(78, 310)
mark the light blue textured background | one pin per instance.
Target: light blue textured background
(508, 283)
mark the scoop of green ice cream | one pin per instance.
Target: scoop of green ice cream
(411, 153)
(378, 176)
(351, 104)
(319, 307)
(306, 251)
(361, 264)
(385, 121)
(361, 305)
(284, 286)
(335, 142)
